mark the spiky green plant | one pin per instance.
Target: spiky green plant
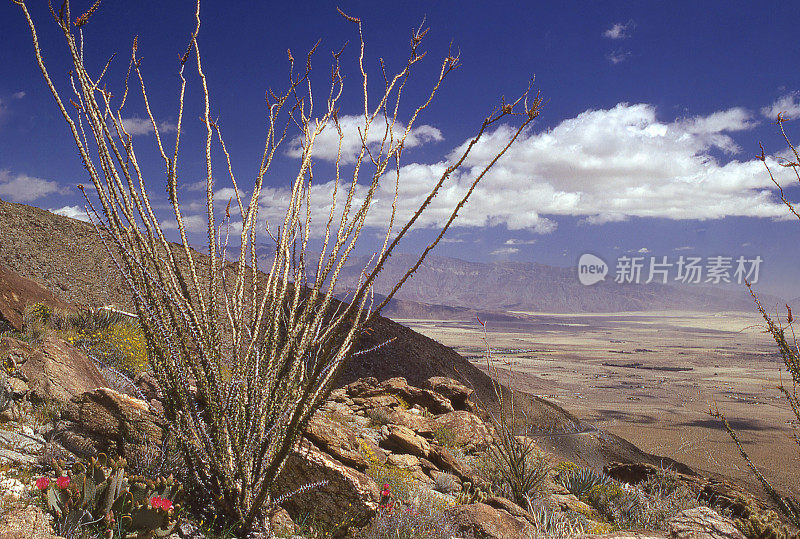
(580, 480)
(280, 334)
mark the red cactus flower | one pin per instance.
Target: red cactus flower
(166, 504)
(155, 501)
(42, 483)
(62, 482)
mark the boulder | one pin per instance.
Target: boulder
(455, 391)
(347, 497)
(369, 393)
(112, 421)
(404, 440)
(336, 440)
(486, 522)
(464, 430)
(53, 370)
(16, 293)
(702, 523)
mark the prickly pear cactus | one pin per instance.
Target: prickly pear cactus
(99, 491)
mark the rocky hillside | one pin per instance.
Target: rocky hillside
(66, 258)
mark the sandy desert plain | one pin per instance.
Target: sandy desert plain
(650, 377)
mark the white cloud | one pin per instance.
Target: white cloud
(619, 30)
(18, 95)
(788, 104)
(326, 144)
(143, 126)
(618, 56)
(684, 248)
(504, 251)
(76, 212)
(24, 188)
(515, 241)
(601, 166)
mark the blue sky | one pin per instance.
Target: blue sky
(654, 112)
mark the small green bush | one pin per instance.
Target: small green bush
(579, 481)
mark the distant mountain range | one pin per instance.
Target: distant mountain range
(443, 283)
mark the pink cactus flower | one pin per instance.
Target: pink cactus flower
(42, 483)
(62, 482)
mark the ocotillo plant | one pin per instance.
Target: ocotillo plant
(261, 348)
(787, 347)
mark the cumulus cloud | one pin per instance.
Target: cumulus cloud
(143, 126)
(787, 105)
(24, 188)
(18, 95)
(76, 212)
(619, 30)
(601, 166)
(326, 145)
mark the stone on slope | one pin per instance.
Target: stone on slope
(347, 497)
(702, 523)
(114, 422)
(54, 369)
(486, 522)
(16, 293)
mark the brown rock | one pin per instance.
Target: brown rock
(121, 423)
(444, 459)
(54, 370)
(26, 522)
(464, 430)
(336, 440)
(702, 523)
(455, 391)
(16, 293)
(348, 497)
(403, 440)
(424, 426)
(281, 523)
(485, 522)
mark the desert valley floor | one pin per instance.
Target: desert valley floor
(650, 377)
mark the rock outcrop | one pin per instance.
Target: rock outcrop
(702, 523)
(16, 293)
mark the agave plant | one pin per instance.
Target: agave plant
(579, 481)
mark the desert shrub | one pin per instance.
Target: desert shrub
(765, 525)
(447, 483)
(401, 482)
(379, 416)
(634, 507)
(445, 436)
(580, 480)
(119, 344)
(409, 522)
(548, 522)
